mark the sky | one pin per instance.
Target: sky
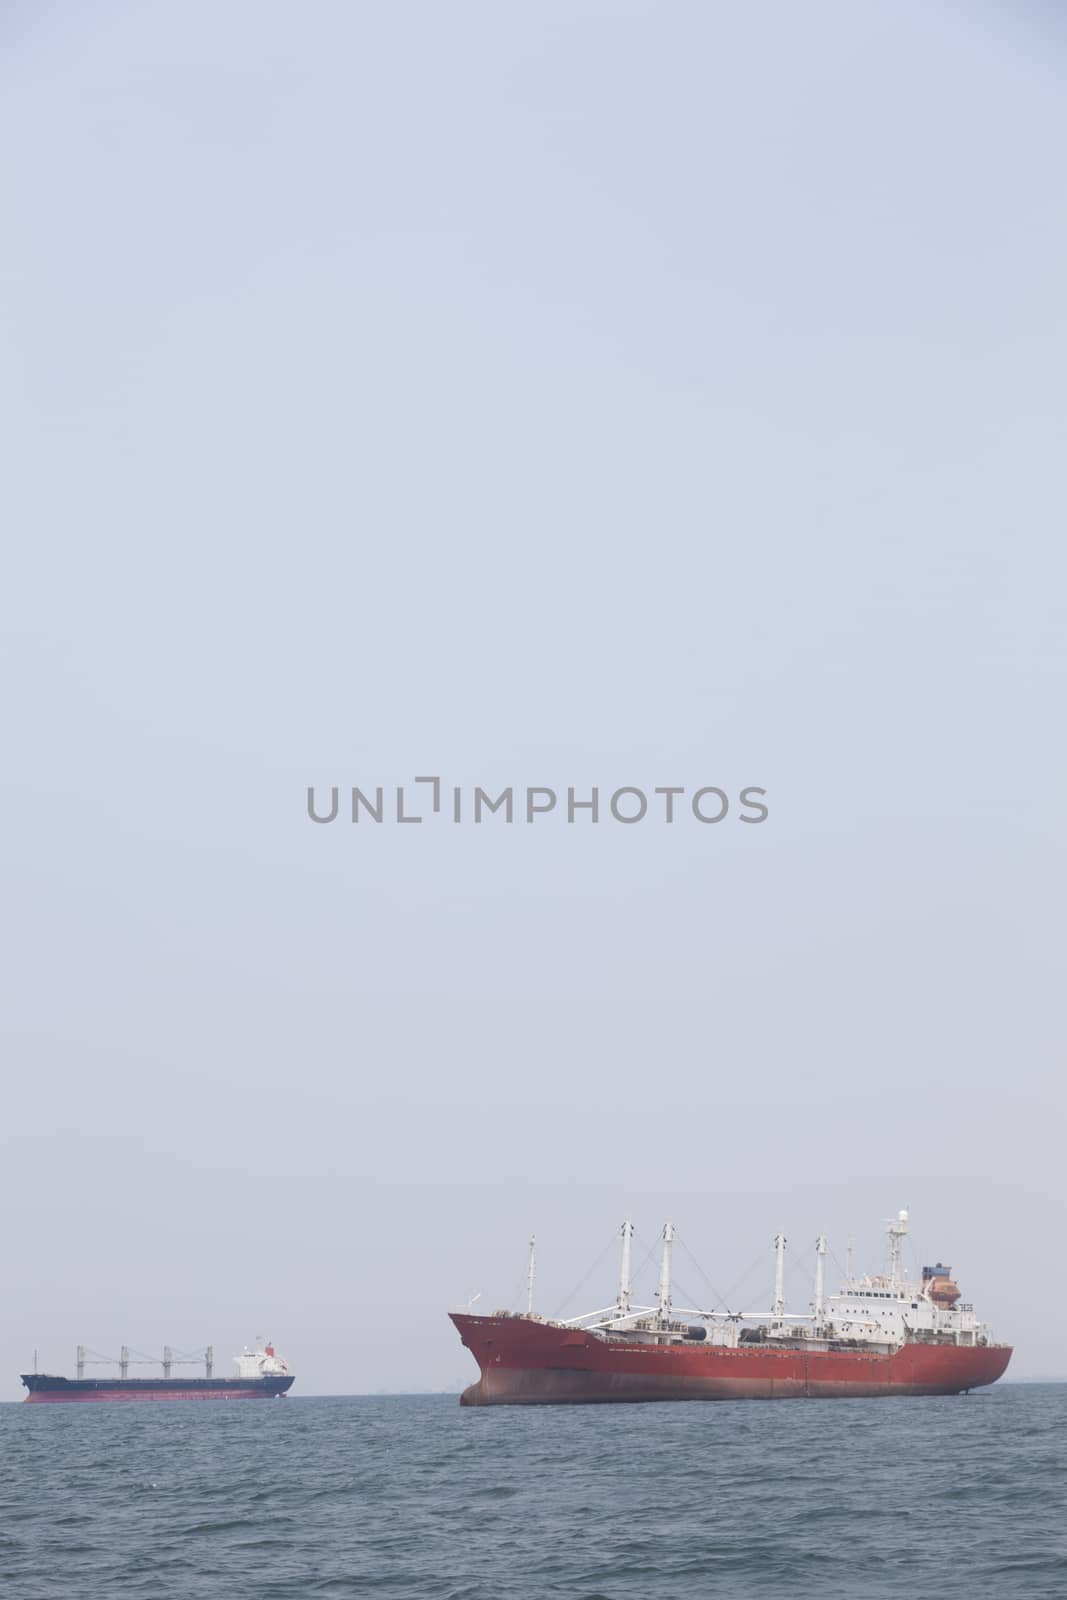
(579, 395)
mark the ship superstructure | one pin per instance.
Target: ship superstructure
(881, 1334)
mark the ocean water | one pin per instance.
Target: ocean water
(412, 1496)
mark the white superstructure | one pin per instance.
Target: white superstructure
(890, 1309)
(261, 1362)
(879, 1312)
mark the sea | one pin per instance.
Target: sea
(964, 1498)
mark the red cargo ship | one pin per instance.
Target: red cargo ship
(880, 1335)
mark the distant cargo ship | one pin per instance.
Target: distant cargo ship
(262, 1374)
(880, 1335)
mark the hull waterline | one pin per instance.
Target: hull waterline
(69, 1391)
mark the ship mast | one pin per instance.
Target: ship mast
(665, 1275)
(779, 1276)
(530, 1277)
(820, 1276)
(897, 1231)
(624, 1273)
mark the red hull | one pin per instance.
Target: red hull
(530, 1363)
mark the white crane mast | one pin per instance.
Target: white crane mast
(779, 1276)
(867, 1312)
(624, 1272)
(820, 1276)
(530, 1278)
(665, 1273)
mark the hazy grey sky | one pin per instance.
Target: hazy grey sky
(571, 393)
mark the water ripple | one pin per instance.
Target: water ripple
(415, 1499)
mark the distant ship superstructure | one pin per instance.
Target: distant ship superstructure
(879, 1335)
(262, 1374)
